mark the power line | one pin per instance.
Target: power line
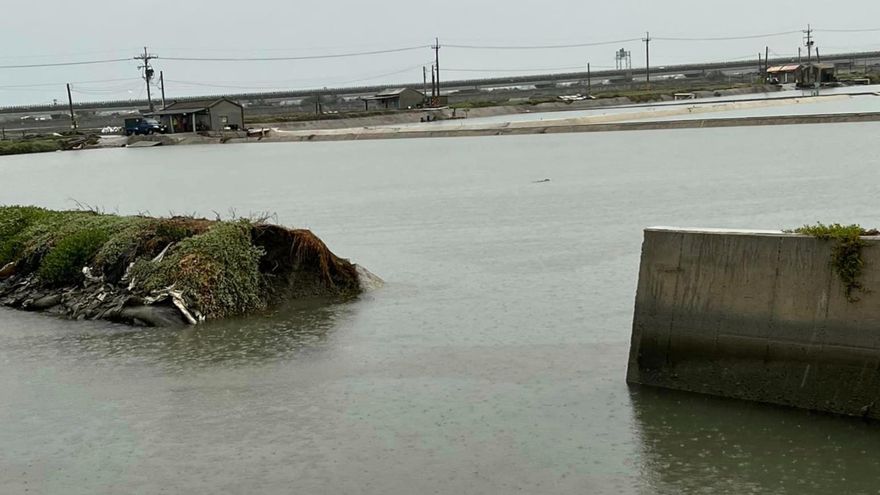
(107, 89)
(869, 30)
(383, 75)
(540, 47)
(573, 67)
(67, 54)
(37, 85)
(64, 64)
(303, 57)
(279, 84)
(729, 38)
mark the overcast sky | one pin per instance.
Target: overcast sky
(51, 31)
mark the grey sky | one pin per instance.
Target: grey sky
(47, 31)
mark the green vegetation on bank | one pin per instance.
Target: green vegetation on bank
(43, 143)
(309, 117)
(24, 146)
(222, 268)
(219, 269)
(658, 92)
(846, 254)
(849, 77)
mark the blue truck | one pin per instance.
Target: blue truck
(144, 126)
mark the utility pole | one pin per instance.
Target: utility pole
(433, 83)
(162, 82)
(425, 82)
(589, 80)
(437, 63)
(647, 40)
(148, 73)
(70, 105)
(760, 64)
(808, 41)
(766, 58)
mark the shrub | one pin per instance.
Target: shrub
(846, 255)
(63, 264)
(219, 270)
(29, 146)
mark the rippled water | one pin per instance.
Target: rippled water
(492, 362)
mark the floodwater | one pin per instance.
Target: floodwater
(493, 361)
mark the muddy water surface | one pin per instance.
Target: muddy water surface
(492, 362)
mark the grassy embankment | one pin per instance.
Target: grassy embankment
(309, 117)
(847, 77)
(20, 147)
(44, 143)
(223, 268)
(634, 95)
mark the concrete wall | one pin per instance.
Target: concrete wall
(758, 316)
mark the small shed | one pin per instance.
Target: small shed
(202, 115)
(786, 74)
(396, 99)
(821, 73)
(803, 74)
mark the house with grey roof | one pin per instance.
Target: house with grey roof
(216, 114)
(396, 99)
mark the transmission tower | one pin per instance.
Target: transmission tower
(623, 59)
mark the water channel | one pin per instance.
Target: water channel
(492, 362)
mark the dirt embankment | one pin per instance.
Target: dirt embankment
(161, 271)
(415, 116)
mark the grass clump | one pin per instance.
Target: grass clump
(58, 244)
(221, 268)
(29, 146)
(63, 263)
(311, 116)
(13, 221)
(218, 270)
(467, 105)
(846, 255)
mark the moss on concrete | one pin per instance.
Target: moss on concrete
(846, 254)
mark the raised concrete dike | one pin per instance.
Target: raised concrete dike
(756, 315)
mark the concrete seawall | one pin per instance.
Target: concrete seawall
(758, 316)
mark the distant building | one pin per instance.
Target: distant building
(202, 115)
(819, 73)
(785, 74)
(802, 74)
(396, 99)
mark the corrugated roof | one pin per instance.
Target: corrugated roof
(783, 68)
(178, 111)
(391, 92)
(196, 105)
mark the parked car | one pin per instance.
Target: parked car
(144, 126)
